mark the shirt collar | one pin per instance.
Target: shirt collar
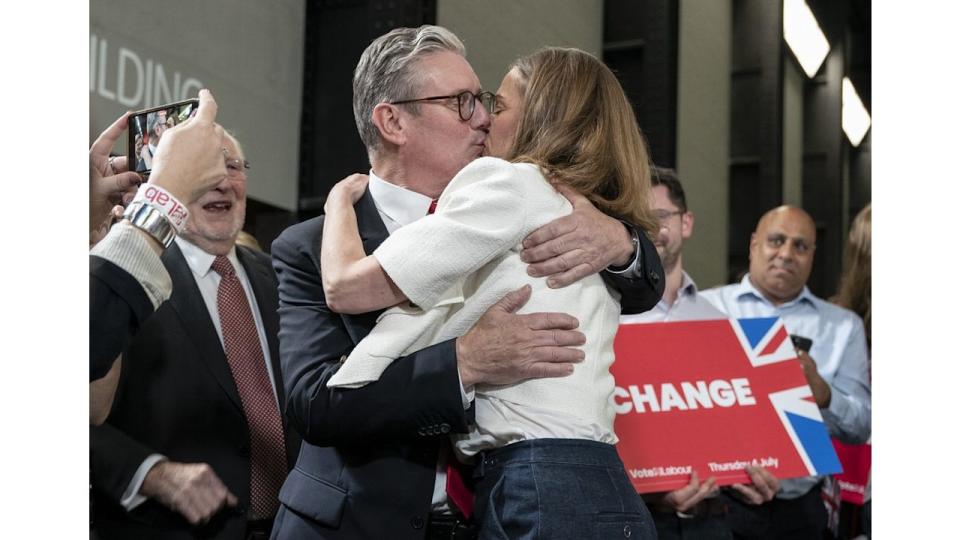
(199, 260)
(399, 204)
(687, 286)
(746, 288)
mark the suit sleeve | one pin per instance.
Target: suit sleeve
(641, 285)
(114, 460)
(416, 392)
(118, 308)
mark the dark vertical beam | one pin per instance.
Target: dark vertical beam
(756, 120)
(337, 32)
(640, 45)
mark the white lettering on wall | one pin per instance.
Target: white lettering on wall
(140, 82)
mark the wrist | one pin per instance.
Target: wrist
(467, 377)
(626, 246)
(154, 480)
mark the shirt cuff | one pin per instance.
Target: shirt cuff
(635, 261)
(466, 396)
(836, 411)
(131, 496)
(126, 247)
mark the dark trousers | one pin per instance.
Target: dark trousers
(670, 526)
(558, 489)
(803, 518)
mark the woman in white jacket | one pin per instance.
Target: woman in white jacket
(543, 448)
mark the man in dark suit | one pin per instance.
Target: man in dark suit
(375, 460)
(195, 445)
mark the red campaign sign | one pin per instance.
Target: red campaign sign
(713, 397)
(856, 460)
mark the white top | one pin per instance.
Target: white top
(458, 262)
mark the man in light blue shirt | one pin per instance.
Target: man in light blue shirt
(781, 257)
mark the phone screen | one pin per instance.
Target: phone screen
(145, 129)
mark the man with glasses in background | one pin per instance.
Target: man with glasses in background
(376, 460)
(695, 511)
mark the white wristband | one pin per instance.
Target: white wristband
(165, 202)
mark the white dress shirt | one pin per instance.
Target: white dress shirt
(200, 263)
(397, 207)
(688, 306)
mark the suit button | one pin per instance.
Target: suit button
(626, 531)
(416, 522)
(444, 428)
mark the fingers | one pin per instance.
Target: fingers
(546, 370)
(557, 264)
(514, 300)
(570, 276)
(559, 338)
(118, 164)
(764, 482)
(105, 141)
(127, 181)
(749, 494)
(555, 228)
(679, 497)
(702, 493)
(546, 321)
(572, 195)
(548, 248)
(207, 112)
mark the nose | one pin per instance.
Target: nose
(481, 117)
(787, 251)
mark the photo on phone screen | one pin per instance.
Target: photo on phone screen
(145, 129)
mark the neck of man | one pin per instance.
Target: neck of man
(674, 279)
(400, 172)
(770, 298)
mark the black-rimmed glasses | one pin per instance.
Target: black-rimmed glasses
(466, 102)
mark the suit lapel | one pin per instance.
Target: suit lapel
(372, 230)
(187, 302)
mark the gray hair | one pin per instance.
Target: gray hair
(152, 120)
(384, 72)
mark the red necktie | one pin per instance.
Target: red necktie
(433, 207)
(458, 492)
(268, 463)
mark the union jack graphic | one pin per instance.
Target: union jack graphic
(765, 341)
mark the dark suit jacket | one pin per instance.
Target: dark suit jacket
(368, 462)
(118, 308)
(177, 397)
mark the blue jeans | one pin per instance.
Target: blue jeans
(556, 489)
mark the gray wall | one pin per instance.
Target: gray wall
(703, 133)
(496, 32)
(250, 54)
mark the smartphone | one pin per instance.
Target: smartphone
(801, 343)
(145, 129)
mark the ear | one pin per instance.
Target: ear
(753, 243)
(686, 225)
(388, 121)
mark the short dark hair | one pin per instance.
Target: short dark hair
(667, 177)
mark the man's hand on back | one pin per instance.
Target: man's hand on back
(577, 245)
(503, 347)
